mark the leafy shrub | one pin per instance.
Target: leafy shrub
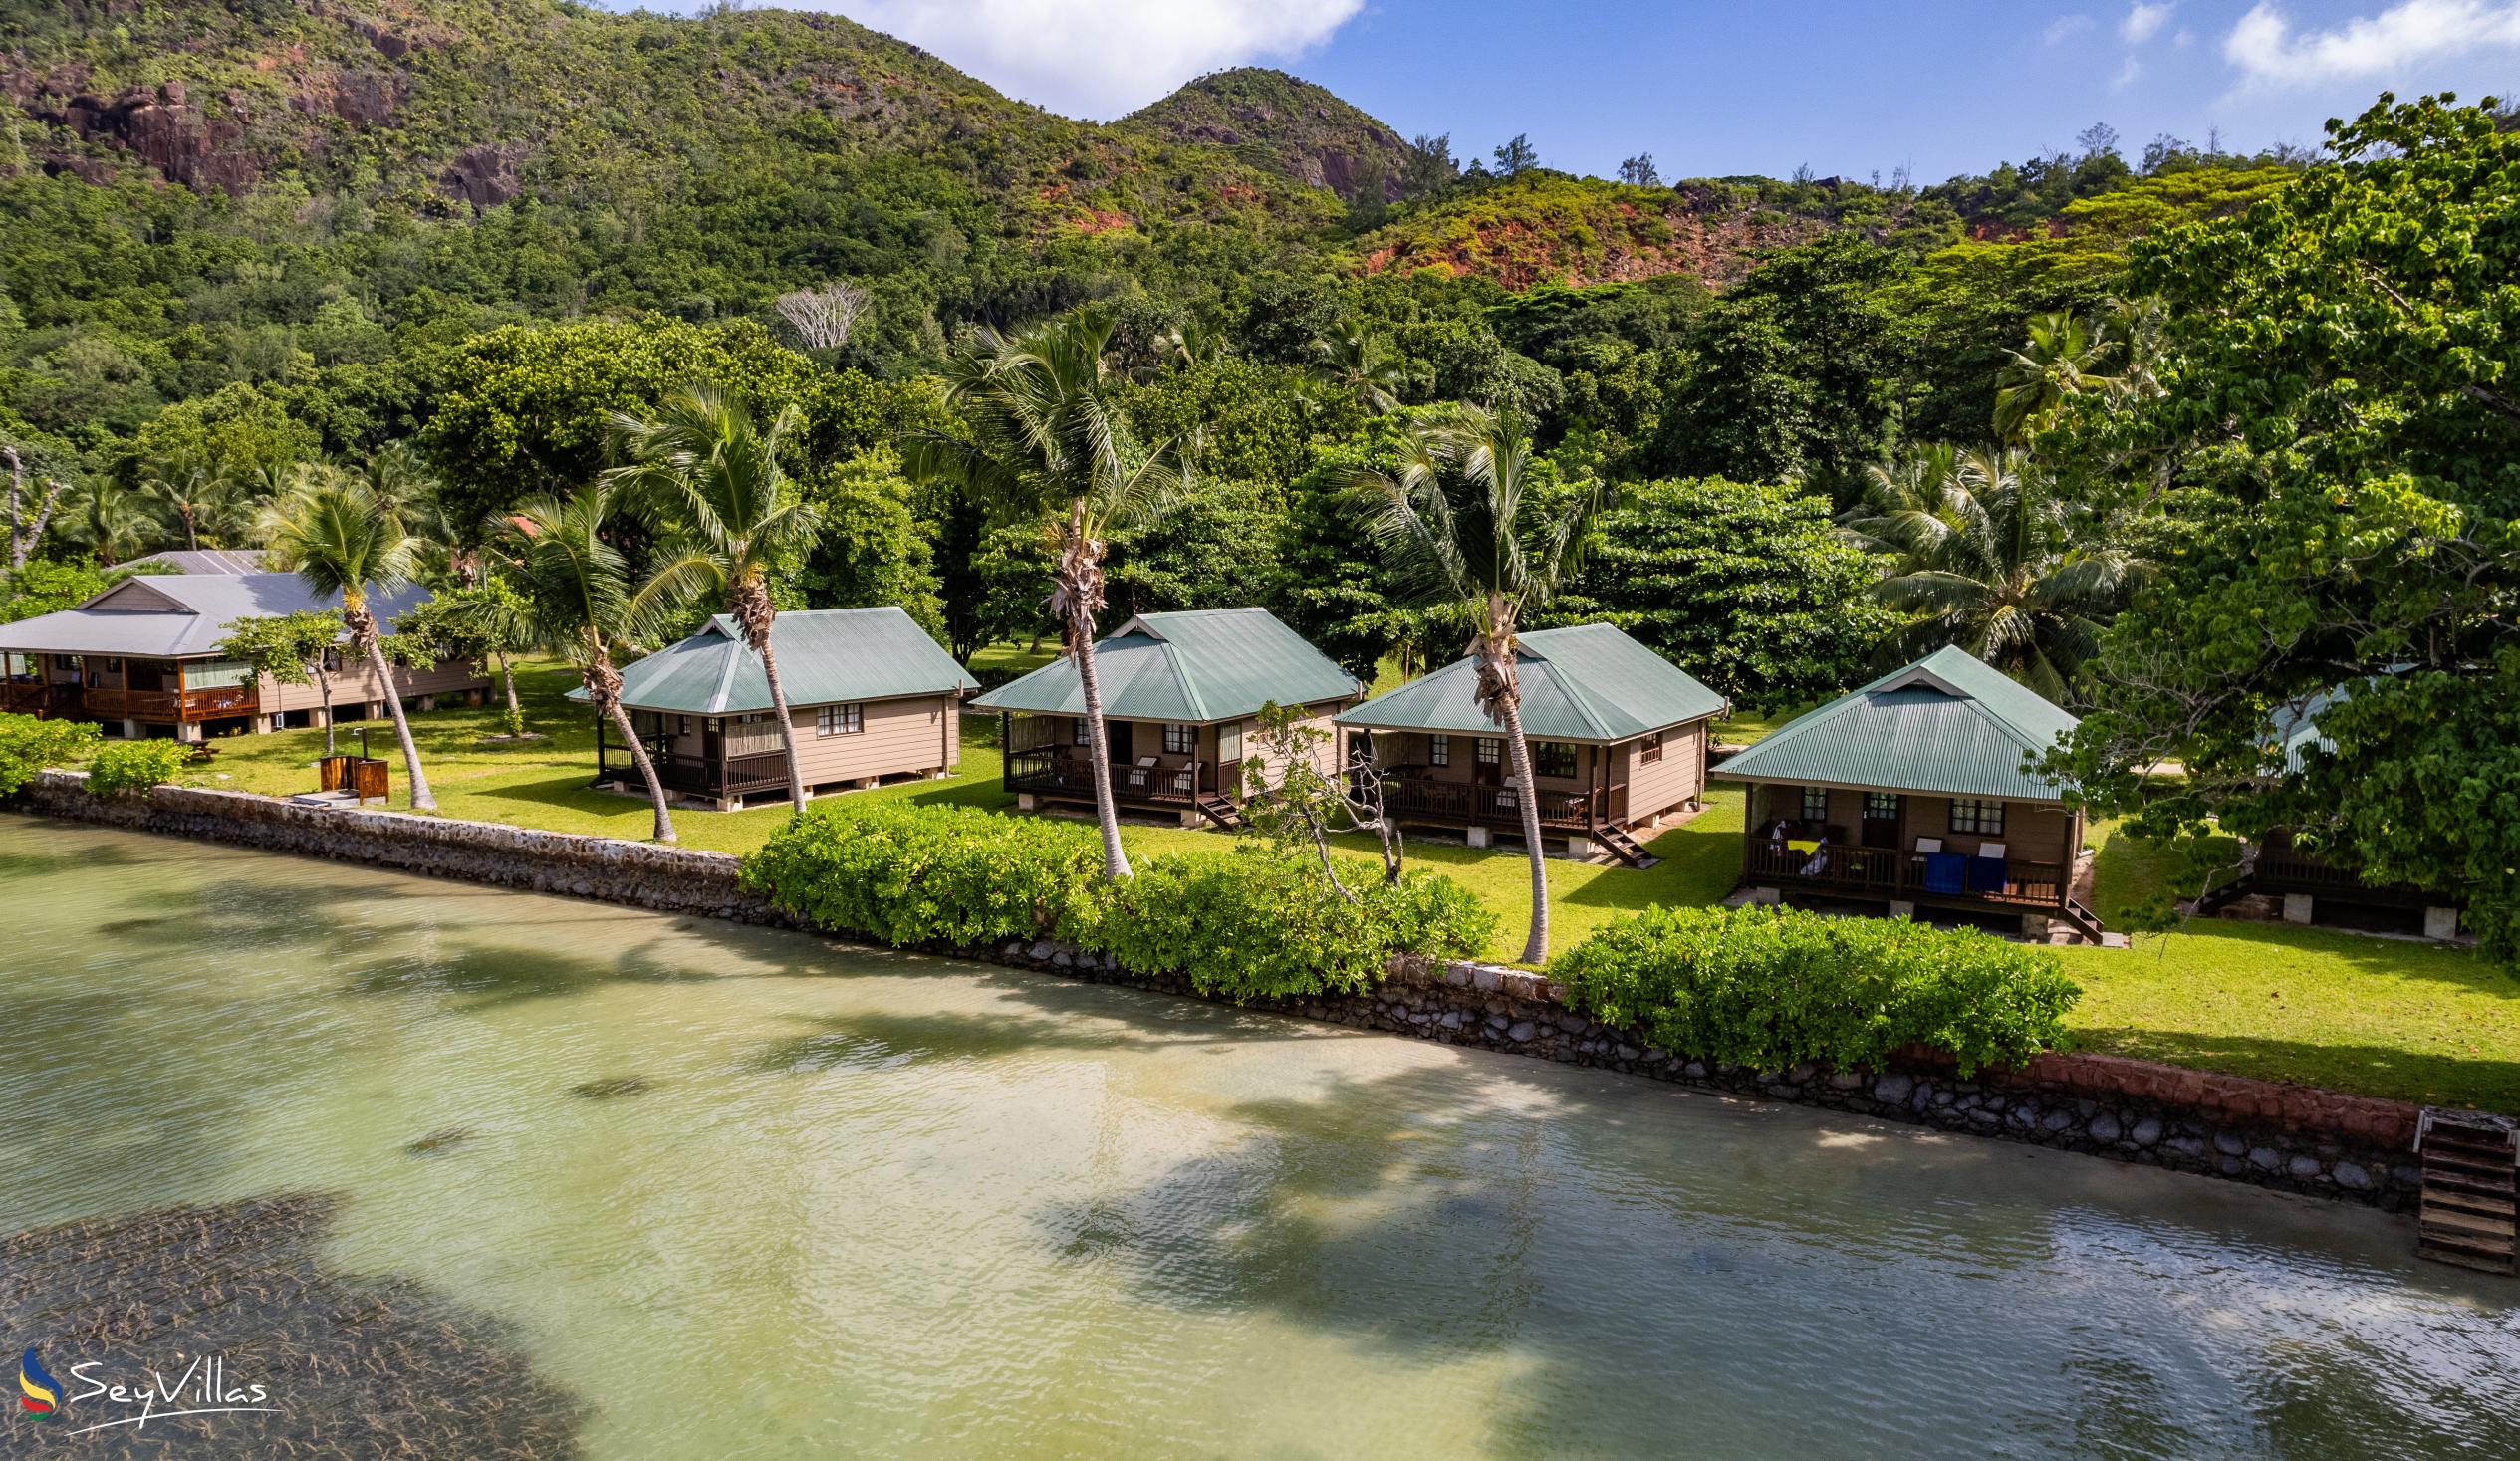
(1257, 922)
(29, 745)
(130, 768)
(1770, 988)
(921, 875)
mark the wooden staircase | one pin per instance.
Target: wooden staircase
(2085, 921)
(2470, 1205)
(1221, 811)
(1623, 847)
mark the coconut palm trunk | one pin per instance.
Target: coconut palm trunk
(1077, 594)
(603, 687)
(363, 636)
(1500, 694)
(507, 679)
(757, 618)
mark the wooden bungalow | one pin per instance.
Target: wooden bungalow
(2305, 883)
(871, 696)
(142, 659)
(1181, 696)
(1618, 737)
(1914, 791)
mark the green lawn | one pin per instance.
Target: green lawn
(2387, 1017)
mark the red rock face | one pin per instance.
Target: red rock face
(163, 128)
(484, 176)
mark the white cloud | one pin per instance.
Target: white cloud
(1099, 58)
(2066, 27)
(2380, 47)
(2144, 22)
(2126, 74)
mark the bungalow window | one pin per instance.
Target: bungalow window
(1439, 750)
(838, 720)
(1229, 744)
(1815, 804)
(1649, 750)
(1492, 750)
(1083, 732)
(1969, 815)
(1881, 805)
(1181, 740)
(1552, 758)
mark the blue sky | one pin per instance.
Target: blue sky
(1715, 87)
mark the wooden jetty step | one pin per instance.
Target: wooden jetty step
(2471, 1189)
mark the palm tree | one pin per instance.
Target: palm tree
(580, 604)
(713, 479)
(1989, 557)
(1457, 527)
(109, 519)
(1046, 443)
(2062, 359)
(1360, 364)
(193, 489)
(337, 535)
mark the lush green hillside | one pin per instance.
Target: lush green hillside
(1284, 126)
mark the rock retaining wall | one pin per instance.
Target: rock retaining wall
(2291, 1137)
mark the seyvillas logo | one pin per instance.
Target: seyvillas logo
(37, 1393)
(202, 1387)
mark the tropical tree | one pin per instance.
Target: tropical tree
(479, 623)
(335, 535)
(109, 519)
(582, 608)
(1458, 525)
(290, 649)
(194, 491)
(711, 479)
(1361, 364)
(1988, 556)
(2063, 359)
(1046, 443)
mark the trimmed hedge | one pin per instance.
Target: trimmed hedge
(927, 874)
(1771, 988)
(132, 768)
(1245, 923)
(1256, 923)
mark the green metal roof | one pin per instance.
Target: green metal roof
(1949, 723)
(1586, 683)
(1186, 669)
(825, 656)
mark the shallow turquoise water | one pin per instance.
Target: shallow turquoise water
(745, 1193)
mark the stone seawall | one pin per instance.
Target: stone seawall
(2290, 1137)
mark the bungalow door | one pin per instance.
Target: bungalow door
(1881, 819)
(1123, 745)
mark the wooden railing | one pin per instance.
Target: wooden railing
(1463, 803)
(1890, 873)
(1054, 773)
(172, 706)
(734, 776)
(25, 696)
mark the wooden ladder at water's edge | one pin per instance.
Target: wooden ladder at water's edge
(2471, 1189)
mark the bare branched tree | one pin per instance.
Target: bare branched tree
(823, 316)
(23, 533)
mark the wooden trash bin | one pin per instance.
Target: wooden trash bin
(363, 776)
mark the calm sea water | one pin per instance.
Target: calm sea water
(746, 1193)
